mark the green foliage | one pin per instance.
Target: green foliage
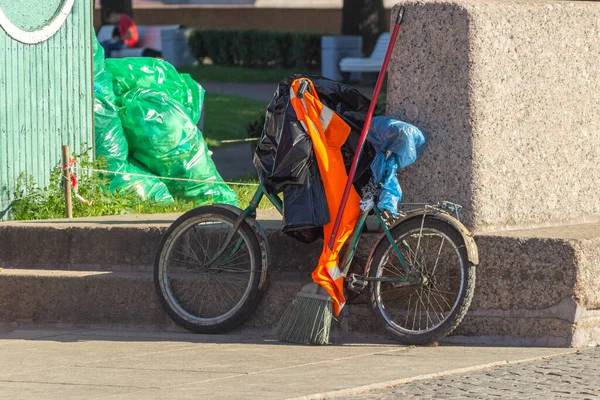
(49, 202)
(246, 192)
(257, 48)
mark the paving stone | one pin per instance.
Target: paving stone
(571, 376)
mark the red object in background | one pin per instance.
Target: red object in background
(125, 25)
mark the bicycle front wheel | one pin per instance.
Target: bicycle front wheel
(206, 275)
(433, 299)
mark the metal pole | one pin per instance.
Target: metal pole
(367, 125)
(66, 162)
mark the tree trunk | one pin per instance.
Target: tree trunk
(122, 6)
(365, 18)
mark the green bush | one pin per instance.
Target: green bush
(257, 49)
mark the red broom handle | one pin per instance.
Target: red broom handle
(366, 126)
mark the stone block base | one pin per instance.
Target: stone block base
(534, 287)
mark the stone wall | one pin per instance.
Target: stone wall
(509, 93)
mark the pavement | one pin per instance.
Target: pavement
(133, 364)
(234, 161)
(569, 376)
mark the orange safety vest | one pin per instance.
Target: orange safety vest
(328, 132)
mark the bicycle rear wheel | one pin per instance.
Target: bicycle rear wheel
(440, 284)
(206, 283)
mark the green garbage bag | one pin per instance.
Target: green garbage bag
(163, 138)
(103, 80)
(98, 57)
(195, 97)
(103, 88)
(146, 188)
(110, 140)
(152, 73)
(111, 144)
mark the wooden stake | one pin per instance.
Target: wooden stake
(66, 162)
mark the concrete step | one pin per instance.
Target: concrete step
(129, 243)
(534, 287)
(127, 299)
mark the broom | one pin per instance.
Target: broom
(308, 319)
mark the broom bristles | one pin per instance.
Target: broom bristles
(308, 319)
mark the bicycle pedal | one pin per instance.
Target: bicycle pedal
(356, 283)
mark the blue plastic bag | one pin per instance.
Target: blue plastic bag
(398, 145)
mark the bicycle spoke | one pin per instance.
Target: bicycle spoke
(424, 254)
(408, 308)
(422, 306)
(397, 292)
(444, 291)
(426, 307)
(187, 262)
(430, 302)
(233, 265)
(438, 255)
(413, 257)
(208, 292)
(443, 298)
(415, 316)
(203, 249)
(208, 243)
(441, 310)
(399, 272)
(189, 255)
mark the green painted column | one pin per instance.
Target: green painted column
(20, 12)
(46, 86)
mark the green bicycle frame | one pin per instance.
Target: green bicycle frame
(261, 192)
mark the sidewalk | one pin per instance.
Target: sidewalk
(569, 376)
(127, 364)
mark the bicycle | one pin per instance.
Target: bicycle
(235, 268)
(212, 267)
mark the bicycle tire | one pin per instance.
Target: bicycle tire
(251, 295)
(465, 292)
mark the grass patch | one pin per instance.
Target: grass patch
(37, 203)
(245, 194)
(227, 117)
(216, 73)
